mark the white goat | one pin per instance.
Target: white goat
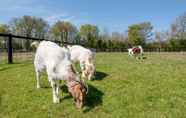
(85, 57)
(56, 61)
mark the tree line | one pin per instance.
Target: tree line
(91, 36)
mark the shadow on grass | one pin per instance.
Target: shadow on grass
(64, 89)
(93, 99)
(47, 87)
(100, 75)
(1, 93)
(4, 69)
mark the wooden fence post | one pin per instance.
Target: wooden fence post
(10, 57)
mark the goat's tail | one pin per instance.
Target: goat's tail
(34, 44)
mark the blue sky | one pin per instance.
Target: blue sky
(114, 15)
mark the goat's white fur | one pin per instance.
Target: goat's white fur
(85, 57)
(56, 61)
(131, 53)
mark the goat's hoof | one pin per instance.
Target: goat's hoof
(56, 101)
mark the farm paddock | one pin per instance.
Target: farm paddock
(124, 87)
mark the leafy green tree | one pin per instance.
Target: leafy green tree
(29, 26)
(138, 34)
(174, 43)
(134, 35)
(146, 30)
(104, 45)
(3, 29)
(99, 44)
(22, 26)
(178, 31)
(77, 38)
(90, 34)
(41, 28)
(64, 31)
(110, 44)
(180, 26)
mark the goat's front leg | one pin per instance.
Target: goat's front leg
(38, 78)
(58, 90)
(82, 65)
(54, 91)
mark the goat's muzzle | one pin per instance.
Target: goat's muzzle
(78, 92)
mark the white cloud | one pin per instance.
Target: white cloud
(18, 8)
(62, 16)
(77, 20)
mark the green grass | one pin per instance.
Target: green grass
(123, 88)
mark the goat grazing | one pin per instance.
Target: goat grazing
(56, 61)
(136, 52)
(85, 58)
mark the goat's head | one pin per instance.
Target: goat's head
(78, 90)
(69, 73)
(89, 70)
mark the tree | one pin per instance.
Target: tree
(146, 30)
(77, 38)
(41, 28)
(178, 32)
(3, 29)
(99, 44)
(64, 31)
(179, 26)
(23, 26)
(160, 38)
(134, 35)
(138, 34)
(30, 27)
(174, 43)
(89, 33)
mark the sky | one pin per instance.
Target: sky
(110, 15)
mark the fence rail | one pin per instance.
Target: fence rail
(10, 45)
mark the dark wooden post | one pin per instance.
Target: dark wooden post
(10, 57)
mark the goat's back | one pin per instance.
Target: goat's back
(80, 53)
(49, 53)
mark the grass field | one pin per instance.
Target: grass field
(123, 88)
